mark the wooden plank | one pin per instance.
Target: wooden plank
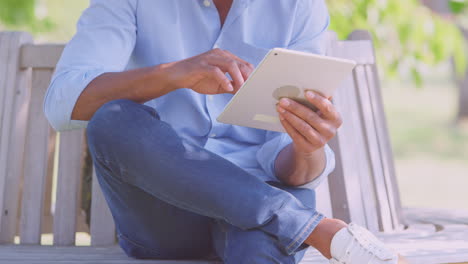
(383, 136)
(35, 163)
(47, 217)
(75, 255)
(442, 217)
(68, 180)
(17, 83)
(102, 223)
(41, 56)
(9, 54)
(345, 184)
(377, 202)
(4, 57)
(388, 177)
(449, 245)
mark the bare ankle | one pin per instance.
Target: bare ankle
(323, 234)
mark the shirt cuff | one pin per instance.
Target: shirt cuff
(62, 94)
(268, 153)
(329, 167)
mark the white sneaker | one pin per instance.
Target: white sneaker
(357, 245)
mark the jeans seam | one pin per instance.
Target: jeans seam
(308, 228)
(120, 235)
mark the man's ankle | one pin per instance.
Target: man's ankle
(323, 234)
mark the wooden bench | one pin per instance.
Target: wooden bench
(362, 188)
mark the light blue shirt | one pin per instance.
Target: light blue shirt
(116, 35)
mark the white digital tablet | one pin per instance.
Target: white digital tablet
(283, 73)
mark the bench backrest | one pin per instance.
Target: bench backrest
(363, 186)
(28, 151)
(361, 189)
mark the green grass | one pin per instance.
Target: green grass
(430, 150)
(422, 121)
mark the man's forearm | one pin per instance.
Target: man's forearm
(293, 168)
(138, 85)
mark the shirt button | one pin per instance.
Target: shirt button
(207, 3)
(210, 97)
(216, 46)
(212, 135)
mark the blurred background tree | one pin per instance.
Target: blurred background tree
(18, 14)
(409, 36)
(47, 20)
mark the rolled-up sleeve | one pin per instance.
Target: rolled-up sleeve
(268, 152)
(266, 155)
(329, 167)
(104, 42)
(309, 35)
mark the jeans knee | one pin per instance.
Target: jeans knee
(116, 116)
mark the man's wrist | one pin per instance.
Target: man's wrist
(308, 166)
(163, 73)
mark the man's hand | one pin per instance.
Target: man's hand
(206, 73)
(303, 160)
(309, 130)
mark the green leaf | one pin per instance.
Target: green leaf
(14, 12)
(458, 6)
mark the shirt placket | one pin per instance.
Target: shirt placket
(213, 108)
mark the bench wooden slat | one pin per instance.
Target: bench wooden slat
(17, 133)
(47, 209)
(41, 56)
(68, 181)
(377, 209)
(448, 245)
(347, 191)
(389, 186)
(386, 188)
(9, 54)
(35, 163)
(4, 63)
(13, 134)
(386, 150)
(102, 223)
(77, 255)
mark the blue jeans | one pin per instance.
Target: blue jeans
(169, 205)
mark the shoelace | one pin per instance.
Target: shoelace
(369, 243)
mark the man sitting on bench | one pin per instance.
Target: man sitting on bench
(148, 79)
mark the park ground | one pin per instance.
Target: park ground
(431, 152)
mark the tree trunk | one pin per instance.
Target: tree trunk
(462, 84)
(463, 99)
